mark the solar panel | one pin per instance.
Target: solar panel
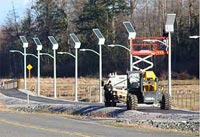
(169, 26)
(128, 26)
(98, 33)
(24, 41)
(74, 38)
(170, 19)
(53, 42)
(37, 41)
(52, 39)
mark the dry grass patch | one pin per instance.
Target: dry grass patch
(149, 128)
(3, 107)
(185, 92)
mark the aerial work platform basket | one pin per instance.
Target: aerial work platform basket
(143, 48)
(139, 47)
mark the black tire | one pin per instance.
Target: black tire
(113, 104)
(107, 104)
(132, 102)
(166, 102)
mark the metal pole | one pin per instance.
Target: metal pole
(131, 60)
(131, 57)
(54, 53)
(38, 79)
(100, 74)
(25, 86)
(76, 75)
(169, 68)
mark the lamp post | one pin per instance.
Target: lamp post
(39, 48)
(132, 34)
(100, 43)
(25, 45)
(169, 27)
(27, 54)
(76, 46)
(117, 45)
(55, 47)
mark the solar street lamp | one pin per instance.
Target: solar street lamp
(131, 31)
(169, 27)
(132, 34)
(101, 42)
(39, 48)
(77, 45)
(54, 47)
(25, 45)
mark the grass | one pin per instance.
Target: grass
(3, 107)
(149, 128)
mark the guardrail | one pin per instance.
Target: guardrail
(8, 84)
(185, 99)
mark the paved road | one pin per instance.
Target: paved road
(18, 94)
(37, 125)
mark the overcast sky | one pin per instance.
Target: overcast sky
(6, 6)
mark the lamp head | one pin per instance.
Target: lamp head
(53, 42)
(131, 31)
(169, 26)
(38, 43)
(82, 49)
(99, 36)
(75, 40)
(24, 41)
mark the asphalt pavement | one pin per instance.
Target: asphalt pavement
(40, 125)
(21, 95)
(15, 93)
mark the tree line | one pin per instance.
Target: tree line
(59, 18)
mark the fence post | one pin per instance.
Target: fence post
(190, 100)
(90, 96)
(186, 100)
(178, 99)
(195, 98)
(182, 105)
(174, 98)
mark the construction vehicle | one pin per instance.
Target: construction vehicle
(116, 88)
(141, 85)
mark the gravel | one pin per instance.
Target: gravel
(154, 117)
